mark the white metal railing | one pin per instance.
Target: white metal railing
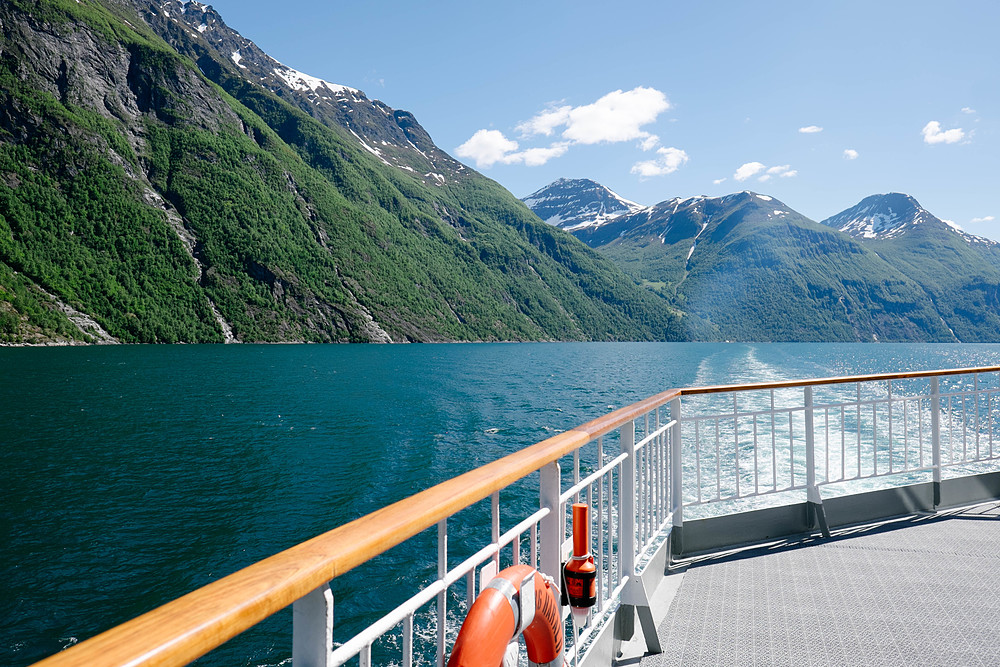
(641, 469)
(771, 440)
(626, 486)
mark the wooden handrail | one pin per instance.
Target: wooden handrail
(183, 630)
(190, 626)
(845, 379)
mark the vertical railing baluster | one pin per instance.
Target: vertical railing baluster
(601, 521)
(906, 436)
(718, 460)
(697, 457)
(442, 597)
(892, 446)
(736, 445)
(774, 447)
(534, 547)
(576, 473)
(408, 637)
(495, 524)
(857, 428)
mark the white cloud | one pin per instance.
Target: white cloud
(969, 110)
(850, 154)
(649, 143)
(486, 147)
(784, 171)
(720, 181)
(545, 122)
(615, 117)
(934, 135)
(670, 160)
(534, 157)
(748, 170)
(985, 218)
(810, 129)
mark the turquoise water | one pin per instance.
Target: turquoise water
(133, 475)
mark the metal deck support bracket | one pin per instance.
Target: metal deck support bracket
(312, 629)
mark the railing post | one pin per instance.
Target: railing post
(936, 438)
(627, 519)
(552, 525)
(813, 499)
(676, 480)
(312, 629)
(635, 600)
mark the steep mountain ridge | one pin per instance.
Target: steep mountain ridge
(889, 216)
(960, 272)
(393, 136)
(154, 188)
(758, 270)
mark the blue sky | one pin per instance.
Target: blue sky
(817, 104)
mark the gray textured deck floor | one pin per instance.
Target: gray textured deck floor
(925, 591)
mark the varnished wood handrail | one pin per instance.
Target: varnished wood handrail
(845, 379)
(185, 629)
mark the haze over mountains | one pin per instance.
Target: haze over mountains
(755, 269)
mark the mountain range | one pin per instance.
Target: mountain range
(754, 269)
(162, 179)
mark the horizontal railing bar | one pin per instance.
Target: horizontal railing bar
(652, 436)
(395, 617)
(874, 475)
(593, 477)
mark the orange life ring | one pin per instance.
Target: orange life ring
(495, 619)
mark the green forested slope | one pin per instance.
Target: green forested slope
(756, 270)
(173, 208)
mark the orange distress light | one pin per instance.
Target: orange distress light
(580, 573)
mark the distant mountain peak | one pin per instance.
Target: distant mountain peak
(578, 203)
(882, 216)
(892, 215)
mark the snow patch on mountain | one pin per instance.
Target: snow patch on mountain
(297, 80)
(890, 216)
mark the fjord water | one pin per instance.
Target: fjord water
(133, 475)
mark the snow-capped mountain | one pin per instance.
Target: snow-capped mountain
(891, 216)
(578, 203)
(391, 135)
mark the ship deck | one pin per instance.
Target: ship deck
(924, 589)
